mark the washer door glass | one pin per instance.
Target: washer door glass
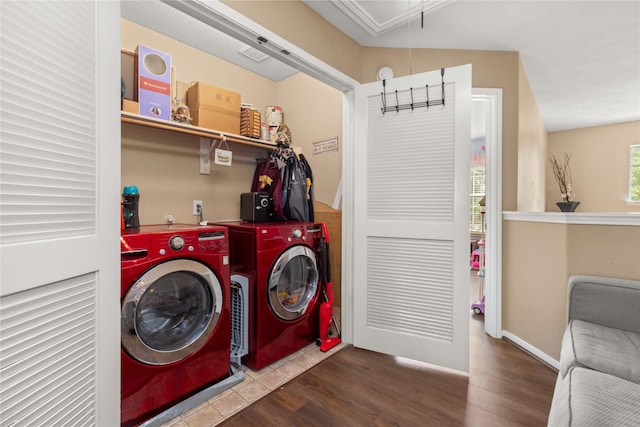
(293, 282)
(170, 312)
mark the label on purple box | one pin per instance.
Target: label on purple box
(154, 83)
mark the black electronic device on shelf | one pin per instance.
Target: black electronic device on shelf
(256, 207)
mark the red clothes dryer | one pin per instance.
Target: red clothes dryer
(281, 261)
(175, 320)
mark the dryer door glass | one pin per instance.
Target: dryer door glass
(293, 282)
(170, 312)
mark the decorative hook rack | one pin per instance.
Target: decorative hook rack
(428, 103)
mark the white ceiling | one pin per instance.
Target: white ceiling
(582, 58)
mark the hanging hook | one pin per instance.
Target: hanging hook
(397, 102)
(214, 144)
(442, 76)
(411, 91)
(427, 88)
(384, 97)
(413, 105)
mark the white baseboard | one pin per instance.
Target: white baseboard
(531, 349)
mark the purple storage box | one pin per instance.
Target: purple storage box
(153, 69)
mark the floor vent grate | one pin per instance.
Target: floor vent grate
(239, 318)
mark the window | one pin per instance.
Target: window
(477, 190)
(634, 173)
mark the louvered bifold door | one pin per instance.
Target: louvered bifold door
(411, 227)
(59, 204)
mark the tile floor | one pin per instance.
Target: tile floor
(255, 385)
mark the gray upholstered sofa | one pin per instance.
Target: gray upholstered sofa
(599, 379)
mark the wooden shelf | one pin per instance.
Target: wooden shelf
(138, 120)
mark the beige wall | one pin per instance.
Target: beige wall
(532, 148)
(599, 166)
(522, 124)
(535, 281)
(194, 65)
(491, 69)
(297, 23)
(166, 169)
(165, 165)
(314, 113)
(604, 250)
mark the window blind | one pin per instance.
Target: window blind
(48, 132)
(477, 192)
(409, 180)
(48, 355)
(410, 287)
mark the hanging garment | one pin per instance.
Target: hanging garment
(268, 178)
(294, 185)
(309, 175)
(284, 176)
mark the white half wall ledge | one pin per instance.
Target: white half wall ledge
(581, 218)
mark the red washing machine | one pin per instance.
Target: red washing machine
(175, 320)
(281, 261)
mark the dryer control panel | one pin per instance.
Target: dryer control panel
(292, 233)
(314, 233)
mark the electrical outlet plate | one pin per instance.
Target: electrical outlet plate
(195, 207)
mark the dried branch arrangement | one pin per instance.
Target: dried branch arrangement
(562, 174)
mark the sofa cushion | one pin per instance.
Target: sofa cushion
(609, 350)
(580, 400)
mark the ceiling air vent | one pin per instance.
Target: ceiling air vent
(253, 53)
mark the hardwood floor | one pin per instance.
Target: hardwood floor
(355, 387)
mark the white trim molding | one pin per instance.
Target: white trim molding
(493, 168)
(581, 218)
(381, 23)
(531, 349)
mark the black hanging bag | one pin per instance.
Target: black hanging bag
(309, 174)
(296, 206)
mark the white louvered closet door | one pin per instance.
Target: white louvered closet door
(59, 207)
(411, 220)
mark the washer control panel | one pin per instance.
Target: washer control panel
(196, 242)
(176, 243)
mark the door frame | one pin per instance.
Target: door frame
(493, 186)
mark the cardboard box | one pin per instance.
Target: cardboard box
(214, 108)
(130, 106)
(153, 77)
